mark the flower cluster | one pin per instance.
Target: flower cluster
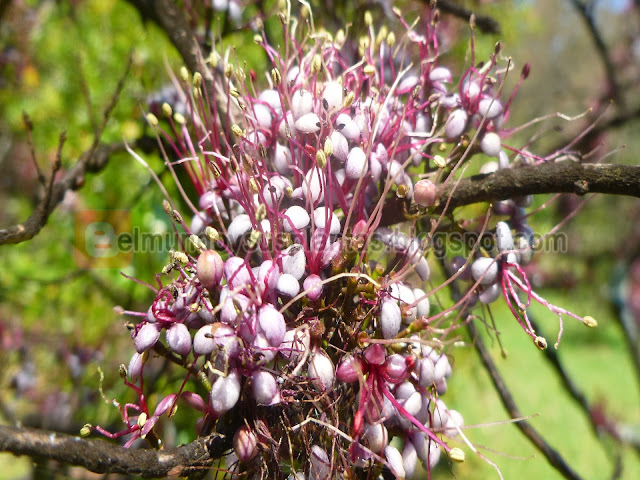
(329, 353)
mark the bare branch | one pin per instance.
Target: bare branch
(485, 23)
(166, 15)
(586, 12)
(561, 177)
(92, 161)
(554, 458)
(102, 457)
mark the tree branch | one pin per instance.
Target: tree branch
(485, 23)
(561, 177)
(166, 15)
(554, 458)
(586, 12)
(102, 457)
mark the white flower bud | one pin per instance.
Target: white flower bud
(456, 124)
(390, 318)
(135, 367)
(340, 146)
(427, 450)
(262, 347)
(179, 339)
(455, 420)
(504, 239)
(263, 116)
(488, 168)
(272, 98)
(375, 437)
(320, 215)
(404, 391)
(296, 342)
(265, 388)
(320, 464)
(272, 323)
(490, 294)
(147, 336)
(294, 261)
(225, 392)
(237, 272)
(426, 372)
(423, 305)
(332, 94)
(356, 165)
(490, 108)
(440, 74)
(395, 367)
(287, 123)
(321, 371)
(295, 217)
(238, 227)
(395, 460)
(282, 159)
(503, 160)
(313, 185)
(348, 128)
(301, 103)
(288, 285)
(441, 368)
(309, 123)
(490, 144)
(440, 415)
(409, 458)
(485, 268)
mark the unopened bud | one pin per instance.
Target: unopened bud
(167, 110)
(590, 321)
(85, 431)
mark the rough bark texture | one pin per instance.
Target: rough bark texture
(102, 457)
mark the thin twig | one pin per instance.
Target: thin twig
(552, 455)
(485, 23)
(100, 456)
(92, 161)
